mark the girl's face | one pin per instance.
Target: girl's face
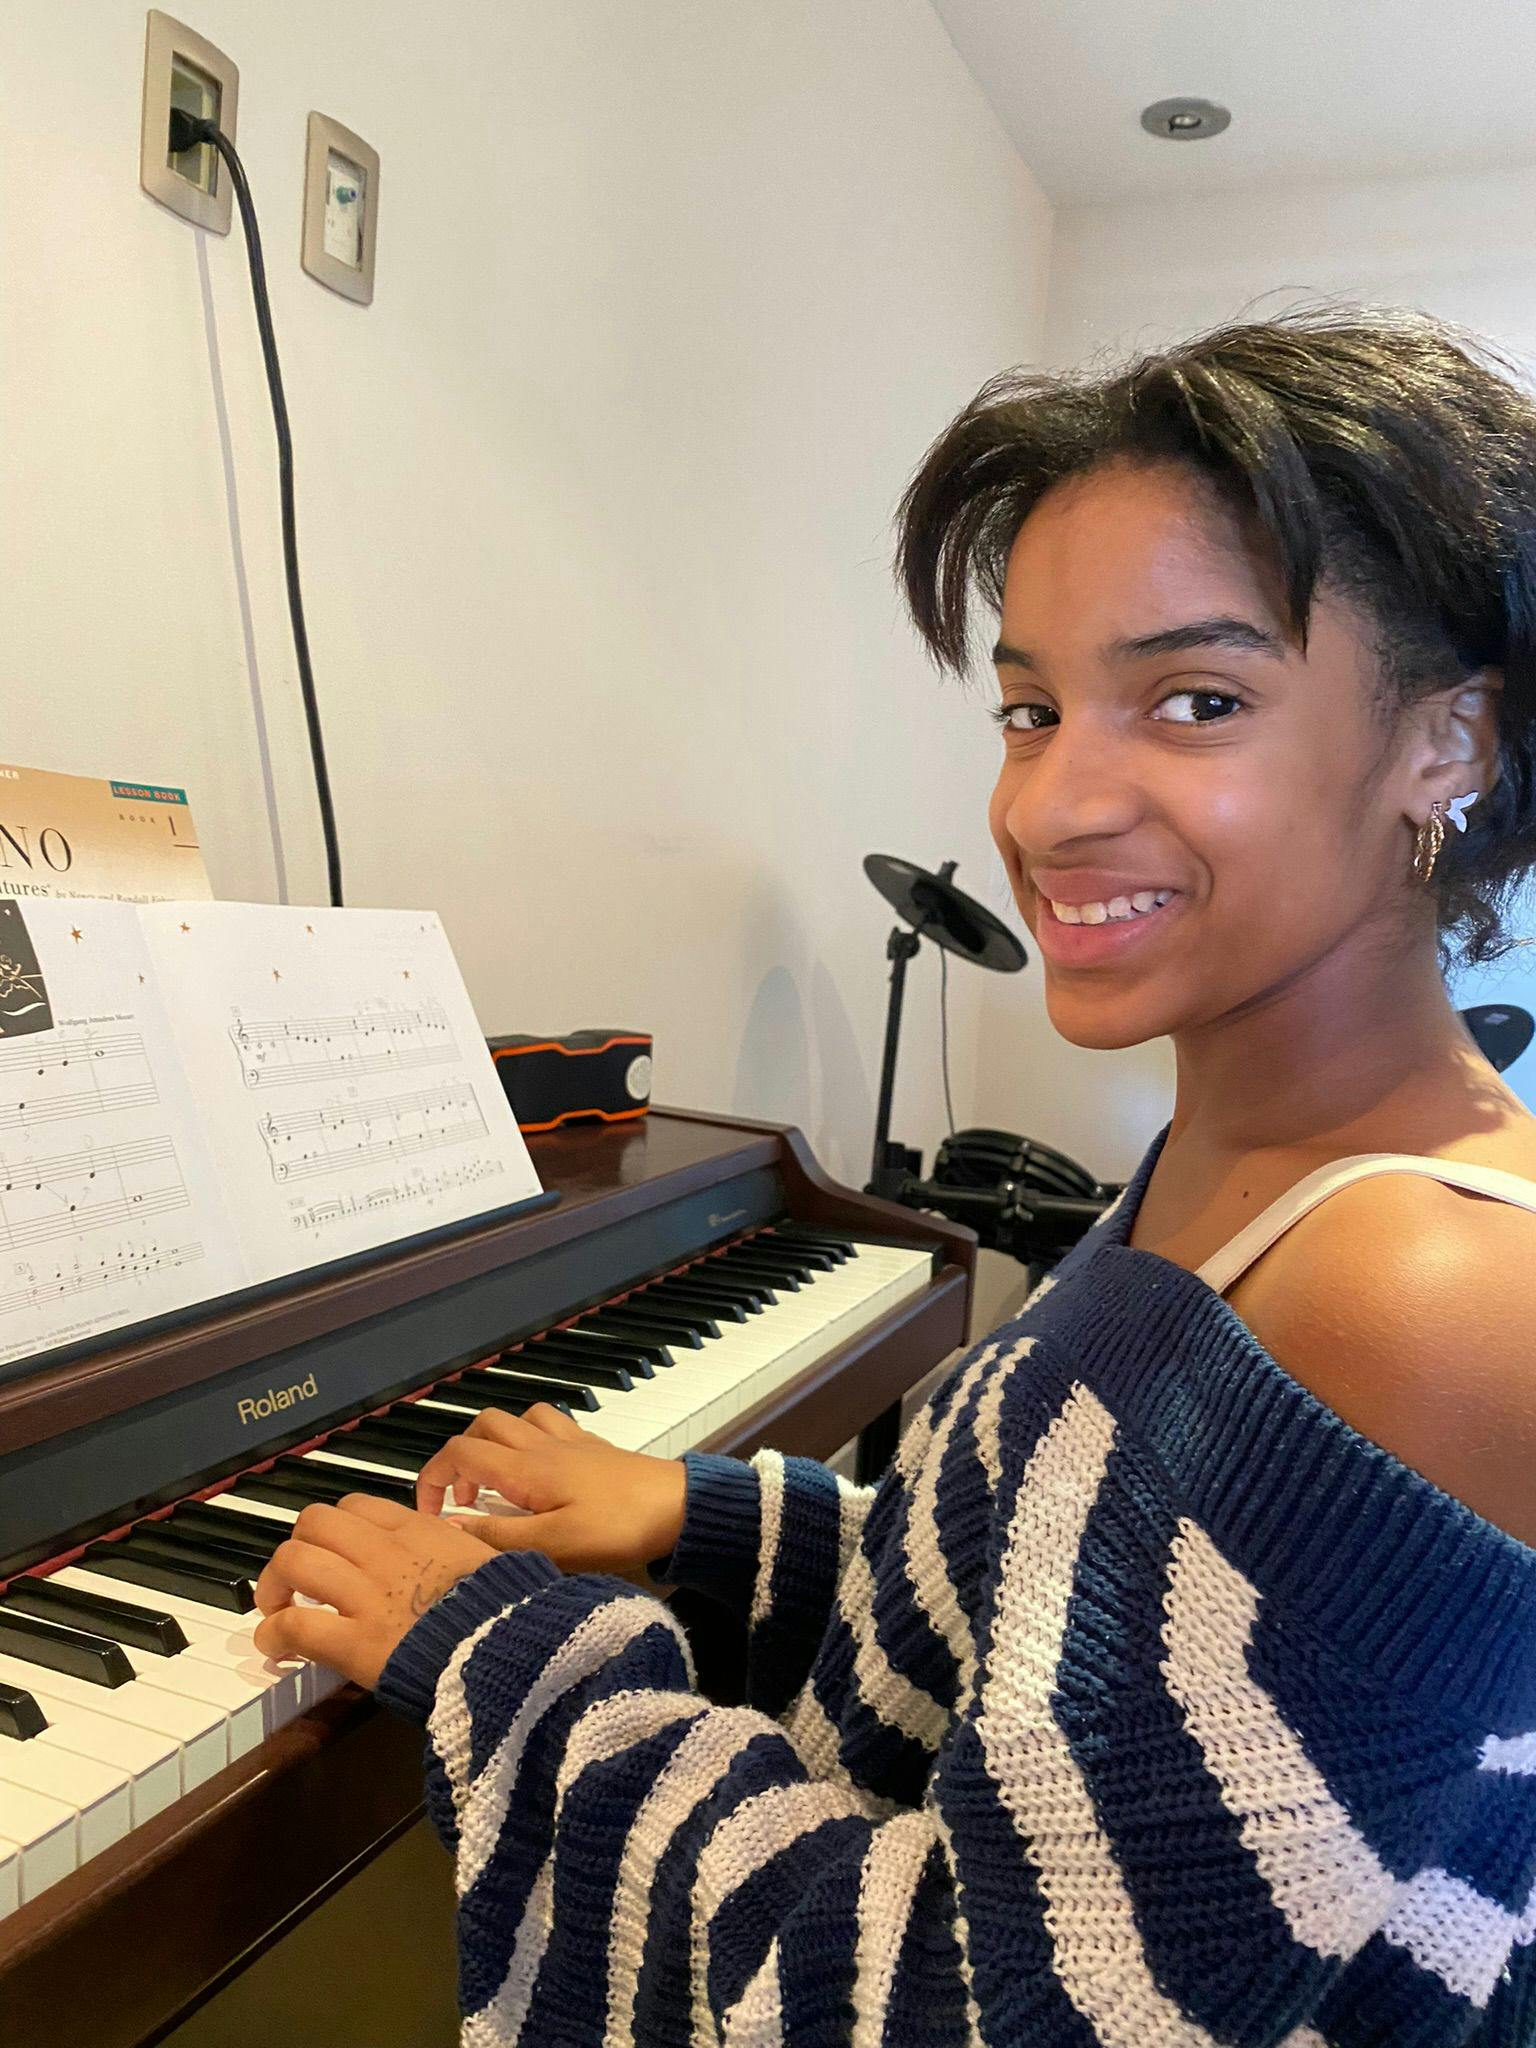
(1166, 743)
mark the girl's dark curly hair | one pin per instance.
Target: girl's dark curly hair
(1383, 455)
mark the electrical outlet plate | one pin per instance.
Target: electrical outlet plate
(341, 209)
(183, 69)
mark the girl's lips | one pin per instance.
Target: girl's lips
(1086, 945)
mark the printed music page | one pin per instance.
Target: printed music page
(110, 1211)
(342, 1077)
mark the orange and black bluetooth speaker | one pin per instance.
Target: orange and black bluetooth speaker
(587, 1076)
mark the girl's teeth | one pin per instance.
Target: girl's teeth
(1116, 910)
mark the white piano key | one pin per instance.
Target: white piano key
(706, 1388)
(237, 1504)
(10, 1878)
(352, 1461)
(151, 1761)
(45, 1835)
(244, 1697)
(281, 1686)
(221, 1639)
(100, 1795)
(198, 1727)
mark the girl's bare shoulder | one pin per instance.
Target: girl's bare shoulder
(1406, 1305)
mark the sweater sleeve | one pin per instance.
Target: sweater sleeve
(635, 1864)
(771, 1540)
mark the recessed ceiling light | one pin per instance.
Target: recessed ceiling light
(1185, 120)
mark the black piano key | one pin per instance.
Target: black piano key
(624, 1321)
(161, 1635)
(775, 1251)
(20, 1716)
(635, 1354)
(411, 1425)
(646, 1345)
(379, 1448)
(583, 1351)
(125, 1559)
(222, 1553)
(715, 1303)
(813, 1233)
(402, 1490)
(779, 1269)
(470, 1400)
(808, 1240)
(451, 1420)
(261, 1532)
(820, 1257)
(750, 1289)
(671, 1316)
(74, 1651)
(274, 1492)
(542, 1363)
(294, 1484)
(527, 1387)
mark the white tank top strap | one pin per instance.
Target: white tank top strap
(1238, 1253)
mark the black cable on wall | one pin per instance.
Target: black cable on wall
(185, 132)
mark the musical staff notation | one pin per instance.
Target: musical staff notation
(407, 1190)
(379, 1038)
(73, 1073)
(300, 1142)
(43, 1201)
(125, 1267)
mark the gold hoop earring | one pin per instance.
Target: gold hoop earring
(1427, 843)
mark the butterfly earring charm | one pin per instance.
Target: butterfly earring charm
(1456, 810)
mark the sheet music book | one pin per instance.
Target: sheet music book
(199, 1097)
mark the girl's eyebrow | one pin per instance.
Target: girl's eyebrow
(1237, 634)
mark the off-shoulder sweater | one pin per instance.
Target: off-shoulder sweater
(1143, 1702)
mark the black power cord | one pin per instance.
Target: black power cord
(185, 132)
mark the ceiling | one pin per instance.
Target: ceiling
(1318, 88)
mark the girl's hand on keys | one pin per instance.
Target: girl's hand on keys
(587, 1506)
(367, 1570)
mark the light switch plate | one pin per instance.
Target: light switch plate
(341, 209)
(182, 68)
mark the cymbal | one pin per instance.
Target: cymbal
(936, 909)
(1501, 1032)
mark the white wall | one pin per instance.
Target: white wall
(594, 499)
(1136, 275)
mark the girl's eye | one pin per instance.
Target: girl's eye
(1018, 717)
(1205, 707)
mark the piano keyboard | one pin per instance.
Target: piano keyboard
(128, 1677)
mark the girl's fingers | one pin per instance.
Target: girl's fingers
(523, 1532)
(554, 1422)
(495, 1426)
(311, 1632)
(354, 1528)
(467, 1463)
(371, 1507)
(297, 1567)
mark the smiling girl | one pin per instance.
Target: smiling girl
(1179, 1683)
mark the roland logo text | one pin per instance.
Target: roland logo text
(275, 1399)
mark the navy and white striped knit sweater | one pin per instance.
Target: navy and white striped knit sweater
(1143, 1703)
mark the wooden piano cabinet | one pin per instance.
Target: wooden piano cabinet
(120, 1952)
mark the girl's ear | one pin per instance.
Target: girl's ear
(1455, 749)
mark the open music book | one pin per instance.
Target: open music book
(199, 1097)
